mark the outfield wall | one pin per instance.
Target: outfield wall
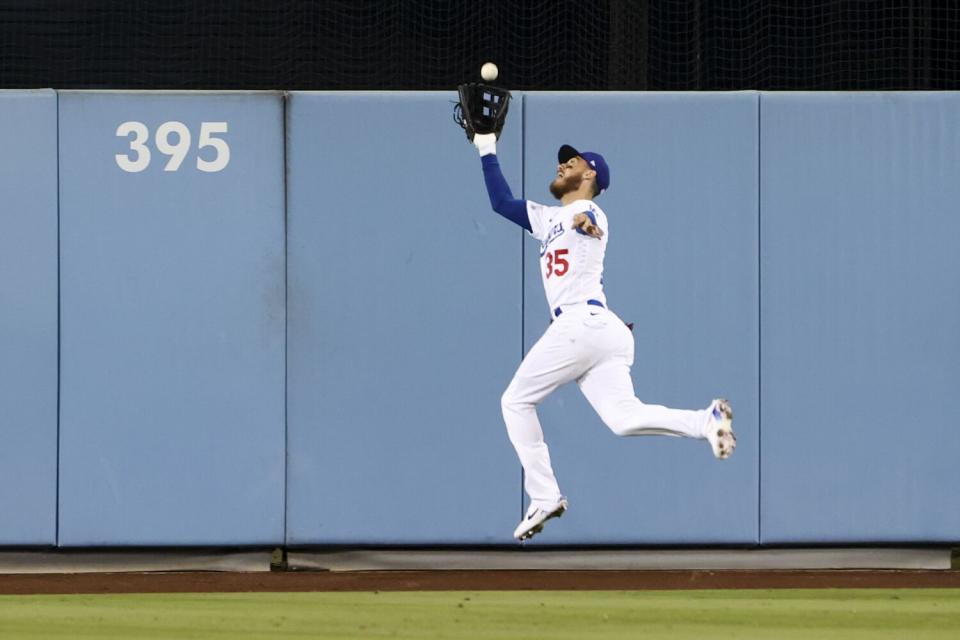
(860, 316)
(28, 318)
(257, 319)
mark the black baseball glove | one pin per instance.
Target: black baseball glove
(482, 109)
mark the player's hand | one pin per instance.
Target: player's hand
(486, 143)
(583, 224)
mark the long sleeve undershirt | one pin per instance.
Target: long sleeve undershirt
(501, 198)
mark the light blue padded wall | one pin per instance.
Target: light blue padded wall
(861, 317)
(173, 315)
(404, 324)
(681, 264)
(407, 308)
(28, 317)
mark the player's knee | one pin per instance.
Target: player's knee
(511, 401)
(507, 400)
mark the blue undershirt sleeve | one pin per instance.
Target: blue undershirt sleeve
(501, 198)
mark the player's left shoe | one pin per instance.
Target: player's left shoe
(720, 429)
(533, 522)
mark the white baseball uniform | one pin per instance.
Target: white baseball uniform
(585, 342)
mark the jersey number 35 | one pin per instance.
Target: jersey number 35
(556, 264)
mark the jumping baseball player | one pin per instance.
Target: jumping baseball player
(586, 341)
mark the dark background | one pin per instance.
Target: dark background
(538, 44)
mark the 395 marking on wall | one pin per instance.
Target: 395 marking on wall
(173, 139)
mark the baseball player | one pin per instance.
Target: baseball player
(585, 341)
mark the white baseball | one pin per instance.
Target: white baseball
(489, 71)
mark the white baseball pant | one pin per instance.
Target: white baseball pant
(591, 345)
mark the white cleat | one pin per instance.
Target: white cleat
(720, 430)
(533, 523)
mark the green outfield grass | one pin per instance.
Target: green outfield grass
(912, 614)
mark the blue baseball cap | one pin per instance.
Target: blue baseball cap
(595, 160)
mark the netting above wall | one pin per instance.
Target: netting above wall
(823, 44)
(538, 44)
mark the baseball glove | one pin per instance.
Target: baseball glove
(482, 109)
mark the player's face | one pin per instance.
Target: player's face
(570, 176)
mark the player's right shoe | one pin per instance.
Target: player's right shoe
(720, 429)
(536, 517)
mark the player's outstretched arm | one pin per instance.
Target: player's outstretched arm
(586, 224)
(501, 197)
